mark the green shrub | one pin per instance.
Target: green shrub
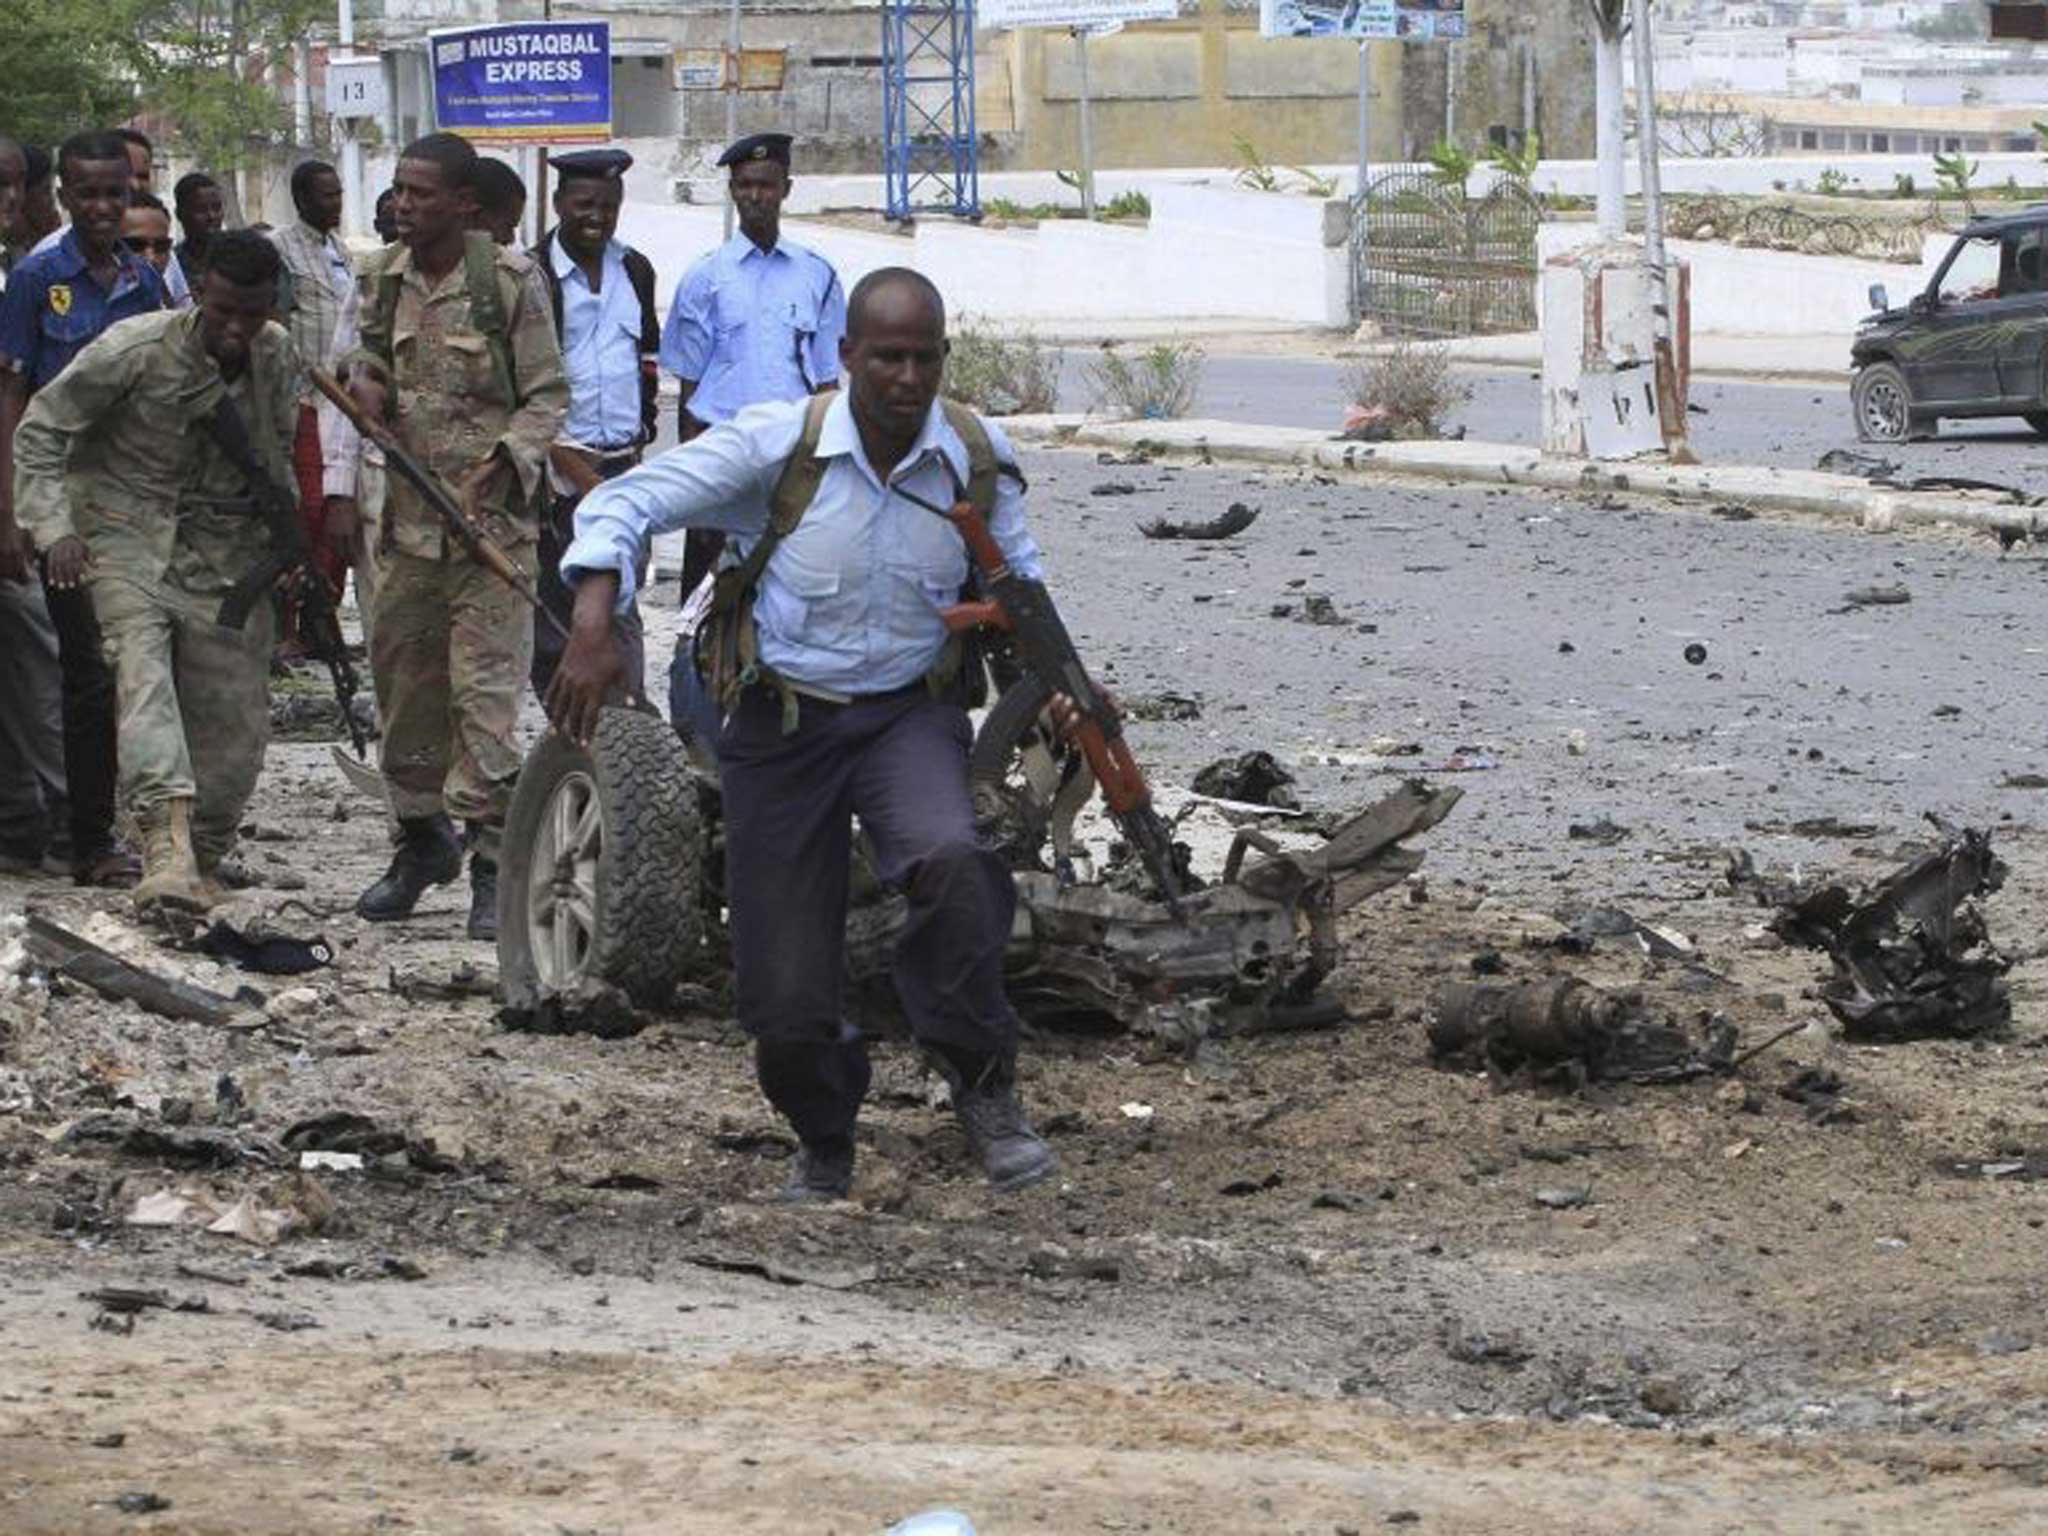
(1156, 383)
(1409, 385)
(1001, 375)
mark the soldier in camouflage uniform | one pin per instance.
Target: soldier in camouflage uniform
(118, 477)
(459, 341)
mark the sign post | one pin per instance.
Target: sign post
(1081, 18)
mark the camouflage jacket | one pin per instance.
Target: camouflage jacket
(116, 450)
(449, 403)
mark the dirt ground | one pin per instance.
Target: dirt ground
(1292, 1283)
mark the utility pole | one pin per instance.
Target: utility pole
(732, 99)
(1087, 125)
(1670, 404)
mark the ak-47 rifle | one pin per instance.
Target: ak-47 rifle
(319, 624)
(1025, 610)
(480, 545)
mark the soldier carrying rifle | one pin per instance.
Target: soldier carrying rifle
(459, 354)
(126, 473)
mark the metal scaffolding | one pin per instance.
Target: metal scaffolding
(929, 155)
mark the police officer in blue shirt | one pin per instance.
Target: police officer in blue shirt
(757, 319)
(603, 297)
(847, 718)
(57, 300)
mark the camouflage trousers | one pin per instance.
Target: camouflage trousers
(450, 646)
(192, 700)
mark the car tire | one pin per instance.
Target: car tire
(1882, 403)
(2038, 420)
(599, 880)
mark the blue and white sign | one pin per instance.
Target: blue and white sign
(532, 82)
(1412, 21)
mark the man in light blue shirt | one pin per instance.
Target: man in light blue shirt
(852, 723)
(759, 318)
(603, 297)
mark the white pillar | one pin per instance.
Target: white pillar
(1612, 184)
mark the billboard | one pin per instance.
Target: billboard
(1071, 13)
(532, 82)
(1412, 21)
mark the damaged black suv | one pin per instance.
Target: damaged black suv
(1973, 343)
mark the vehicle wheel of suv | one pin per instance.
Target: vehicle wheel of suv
(2038, 420)
(599, 877)
(1883, 405)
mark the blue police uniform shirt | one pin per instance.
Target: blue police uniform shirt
(850, 600)
(749, 325)
(54, 305)
(600, 350)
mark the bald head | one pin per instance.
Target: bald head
(894, 354)
(898, 293)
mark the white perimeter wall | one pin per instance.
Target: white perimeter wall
(1206, 254)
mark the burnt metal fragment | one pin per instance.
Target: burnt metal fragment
(1234, 521)
(1913, 957)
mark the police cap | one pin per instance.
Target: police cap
(591, 164)
(758, 146)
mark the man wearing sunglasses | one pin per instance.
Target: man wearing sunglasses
(146, 230)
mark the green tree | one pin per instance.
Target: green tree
(205, 68)
(65, 65)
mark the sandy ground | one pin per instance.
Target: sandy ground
(1314, 1290)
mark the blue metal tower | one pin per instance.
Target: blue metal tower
(929, 155)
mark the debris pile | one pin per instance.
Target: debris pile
(1252, 778)
(1565, 1031)
(1912, 955)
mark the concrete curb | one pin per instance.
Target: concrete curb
(1842, 498)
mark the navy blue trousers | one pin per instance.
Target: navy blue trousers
(899, 763)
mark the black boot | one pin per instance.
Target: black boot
(483, 897)
(1012, 1154)
(483, 839)
(428, 854)
(823, 1171)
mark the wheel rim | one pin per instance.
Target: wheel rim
(1884, 408)
(561, 907)
(1018, 810)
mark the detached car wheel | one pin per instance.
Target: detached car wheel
(599, 879)
(1883, 405)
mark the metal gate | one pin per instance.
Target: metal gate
(1426, 260)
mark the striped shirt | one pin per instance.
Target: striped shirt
(321, 282)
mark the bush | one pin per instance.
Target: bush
(1408, 386)
(1833, 183)
(1126, 205)
(1001, 375)
(1156, 384)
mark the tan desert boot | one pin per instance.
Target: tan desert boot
(170, 872)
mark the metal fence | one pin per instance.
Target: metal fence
(1427, 260)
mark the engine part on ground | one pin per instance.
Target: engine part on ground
(1564, 1029)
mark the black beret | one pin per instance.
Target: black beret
(758, 146)
(592, 164)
